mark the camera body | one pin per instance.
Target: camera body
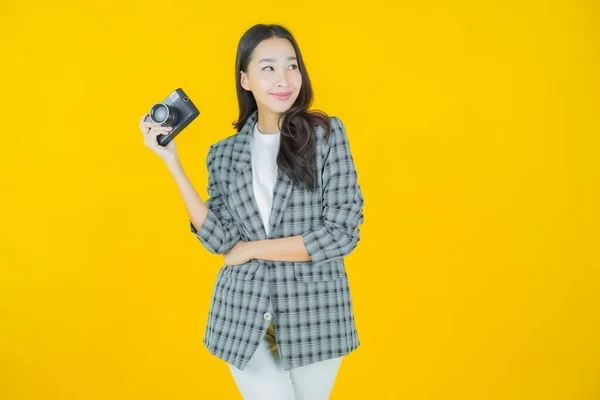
(176, 111)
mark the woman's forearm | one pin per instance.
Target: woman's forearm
(284, 249)
(196, 208)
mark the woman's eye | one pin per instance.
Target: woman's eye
(293, 65)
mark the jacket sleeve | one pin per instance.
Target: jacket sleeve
(218, 232)
(342, 201)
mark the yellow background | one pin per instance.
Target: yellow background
(474, 128)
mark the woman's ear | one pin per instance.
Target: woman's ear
(244, 80)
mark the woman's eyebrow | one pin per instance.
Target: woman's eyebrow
(275, 59)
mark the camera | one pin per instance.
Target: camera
(176, 111)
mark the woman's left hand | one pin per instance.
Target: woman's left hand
(239, 254)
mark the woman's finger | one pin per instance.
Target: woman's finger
(143, 127)
(151, 141)
(151, 124)
(153, 135)
(161, 129)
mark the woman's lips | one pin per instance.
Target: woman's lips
(281, 96)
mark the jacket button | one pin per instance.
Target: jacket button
(267, 316)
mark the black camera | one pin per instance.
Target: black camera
(176, 111)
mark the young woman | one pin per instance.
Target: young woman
(284, 209)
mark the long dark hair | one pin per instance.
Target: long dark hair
(297, 144)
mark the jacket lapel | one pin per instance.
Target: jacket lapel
(242, 191)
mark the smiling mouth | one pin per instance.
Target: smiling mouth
(281, 96)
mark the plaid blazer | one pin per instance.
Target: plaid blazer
(309, 303)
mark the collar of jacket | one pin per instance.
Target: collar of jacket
(241, 186)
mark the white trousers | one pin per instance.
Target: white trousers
(265, 379)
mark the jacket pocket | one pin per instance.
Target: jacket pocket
(245, 271)
(322, 271)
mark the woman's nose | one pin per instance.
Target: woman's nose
(282, 80)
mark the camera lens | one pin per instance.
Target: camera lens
(161, 113)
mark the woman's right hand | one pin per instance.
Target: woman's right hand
(151, 130)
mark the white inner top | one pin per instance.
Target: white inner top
(264, 150)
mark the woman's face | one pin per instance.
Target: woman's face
(273, 69)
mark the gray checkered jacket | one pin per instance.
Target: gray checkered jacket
(309, 303)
